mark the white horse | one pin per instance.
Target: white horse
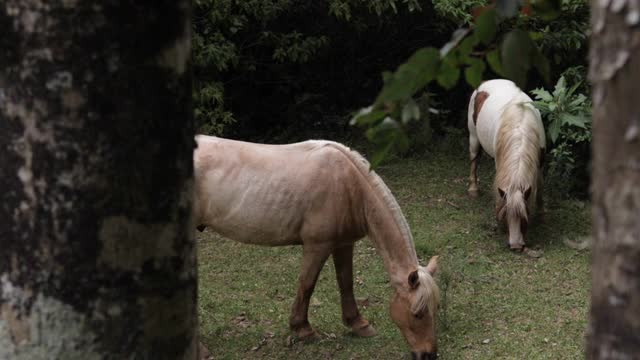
(323, 196)
(504, 121)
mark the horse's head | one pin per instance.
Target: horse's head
(514, 212)
(413, 309)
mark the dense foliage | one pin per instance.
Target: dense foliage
(567, 117)
(285, 70)
(281, 70)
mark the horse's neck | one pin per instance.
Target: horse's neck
(398, 252)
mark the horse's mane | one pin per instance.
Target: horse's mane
(517, 155)
(427, 294)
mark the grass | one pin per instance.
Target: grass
(496, 304)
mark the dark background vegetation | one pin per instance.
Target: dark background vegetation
(289, 70)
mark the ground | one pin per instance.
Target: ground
(496, 304)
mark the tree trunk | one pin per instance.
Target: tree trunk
(97, 259)
(614, 329)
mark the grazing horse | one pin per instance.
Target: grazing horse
(323, 196)
(504, 121)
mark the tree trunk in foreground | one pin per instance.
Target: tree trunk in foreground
(97, 259)
(614, 329)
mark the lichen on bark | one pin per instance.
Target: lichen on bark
(96, 140)
(614, 325)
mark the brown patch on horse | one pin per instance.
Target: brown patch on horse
(481, 97)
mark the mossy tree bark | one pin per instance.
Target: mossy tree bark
(97, 259)
(614, 328)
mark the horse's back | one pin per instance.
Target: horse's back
(262, 194)
(485, 117)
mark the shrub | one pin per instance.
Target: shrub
(567, 118)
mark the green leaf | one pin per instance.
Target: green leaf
(493, 58)
(410, 111)
(554, 130)
(579, 100)
(411, 76)
(516, 56)
(574, 120)
(449, 74)
(486, 26)
(560, 87)
(542, 94)
(465, 47)
(473, 73)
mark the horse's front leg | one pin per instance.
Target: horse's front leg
(343, 261)
(313, 258)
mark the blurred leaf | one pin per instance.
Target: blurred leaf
(508, 8)
(386, 76)
(382, 132)
(493, 58)
(465, 47)
(449, 74)
(547, 9)
(421, 68)
(380, 154)
(387, 135)
(541, 63)
(473, 73)
(516, 56)
(457, 36)
(486, 26)
(367, 117)
(410, 111)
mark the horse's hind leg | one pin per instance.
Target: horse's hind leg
(474, 155)
(343, 261)
(313, 258)
(540, 197)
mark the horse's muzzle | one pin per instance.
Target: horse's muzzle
(424, 355)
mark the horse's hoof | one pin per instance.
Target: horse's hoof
(473, 193)
(365, 331)
(307, 334)
(517, 248)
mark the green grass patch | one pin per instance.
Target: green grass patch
(496, 304)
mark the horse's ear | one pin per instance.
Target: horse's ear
(432, 267)
(527, 193)
(501, 192)
(414, 280)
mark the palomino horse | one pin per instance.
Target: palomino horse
(503, 120)
(323, 196)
